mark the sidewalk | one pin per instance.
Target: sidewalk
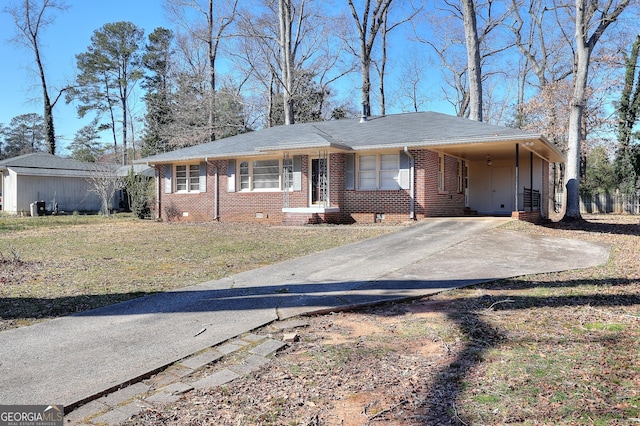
(72, 360)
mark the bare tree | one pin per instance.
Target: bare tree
(30, 18)
(411, 85)
(539, 33)
(218, 17)
(104, 181)
(368, 23)
(287, 44)
(469, 63)
(381, 64)
(592, 18)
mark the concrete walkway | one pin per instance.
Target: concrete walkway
(72, 359)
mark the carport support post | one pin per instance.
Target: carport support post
(517, 173)
(531, 169)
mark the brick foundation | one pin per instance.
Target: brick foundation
(528, 216)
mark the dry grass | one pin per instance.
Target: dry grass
(52, 266)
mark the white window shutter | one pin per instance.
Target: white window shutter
(403, 173)
(167, 178)
(203, 177)
(231, 176)
(297, 173)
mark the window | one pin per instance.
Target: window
(188, 178)
(266, 175)
(378, 171)
(440, 172)
(460, 175)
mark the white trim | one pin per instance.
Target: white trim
(317, 209)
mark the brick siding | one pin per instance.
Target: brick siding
(355, 205)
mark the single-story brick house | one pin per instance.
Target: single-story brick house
(391, 168)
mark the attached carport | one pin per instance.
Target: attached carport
(507, 177)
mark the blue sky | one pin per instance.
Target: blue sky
(20, 91)
(70, 34)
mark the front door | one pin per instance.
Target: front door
(319, 187)
(502, 187)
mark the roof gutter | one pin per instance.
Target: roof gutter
(412, 210)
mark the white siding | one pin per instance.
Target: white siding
(9, 195)
(71, 193)
(491, 187)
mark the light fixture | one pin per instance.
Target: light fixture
(489, 160)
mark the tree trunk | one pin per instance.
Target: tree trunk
(585, 11)
(49, 129)
(474, 70)
(287, 59)
(383, 63)
(212, 74)
(366, 86)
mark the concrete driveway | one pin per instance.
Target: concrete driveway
(68, 360)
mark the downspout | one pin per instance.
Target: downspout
(412, 195)
(517, 174)
(158, 194)
(215, 189)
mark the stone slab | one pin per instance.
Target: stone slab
(200, 360)
(267, 348)
(218, 378)
(250, 365)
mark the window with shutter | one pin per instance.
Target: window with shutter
(187, 177)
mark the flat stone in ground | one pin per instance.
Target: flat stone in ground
(162, 398)
(124, 394)
(202, 359)
(84, 411)
(120, 414)
(251, 364)
(267, 348)
(251, 337)
(216, 379)
(177, 388)
(228, 348)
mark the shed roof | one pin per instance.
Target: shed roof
(423, 129)
(45, 164)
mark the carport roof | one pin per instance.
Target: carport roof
(431, 130)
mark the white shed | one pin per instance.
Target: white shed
(45, 178)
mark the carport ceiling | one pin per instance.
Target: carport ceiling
(501, 150)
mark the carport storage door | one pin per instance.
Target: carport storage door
(502, 187)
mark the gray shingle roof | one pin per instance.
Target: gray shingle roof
(45, 164)
(422, 129)
(43, 160)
